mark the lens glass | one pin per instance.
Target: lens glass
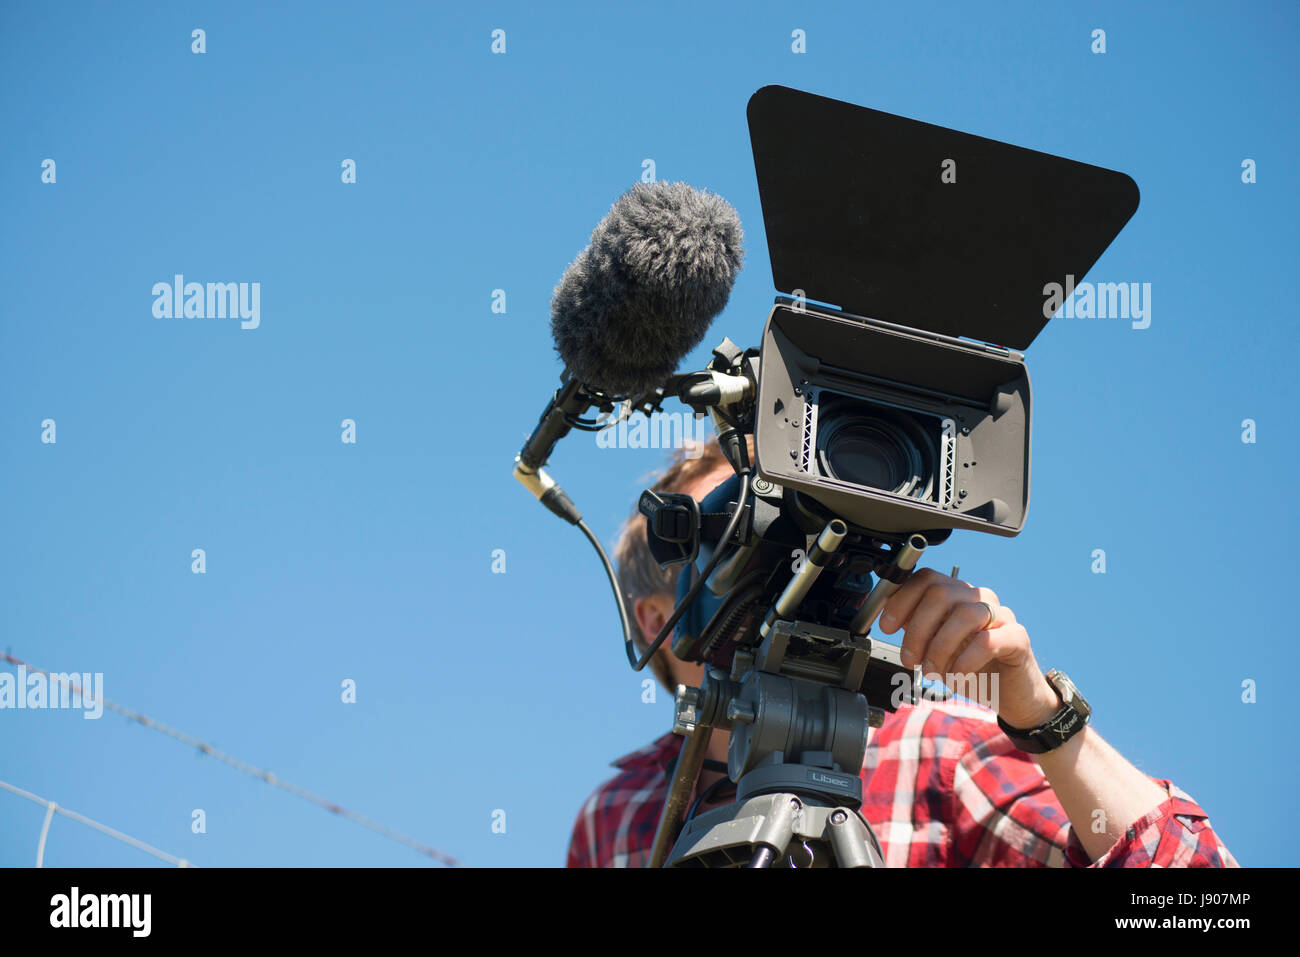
(863, 454)
(875, 447)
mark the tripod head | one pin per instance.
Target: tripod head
(799, 727)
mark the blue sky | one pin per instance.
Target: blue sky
(372, 561)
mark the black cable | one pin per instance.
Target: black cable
(719, 553)
(613, 579)
(707, 795)
(595, 425)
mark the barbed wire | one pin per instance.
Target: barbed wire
(249, 769)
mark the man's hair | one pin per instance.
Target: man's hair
(639, 575)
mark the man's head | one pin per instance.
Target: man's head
(649, 590)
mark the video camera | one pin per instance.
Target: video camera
(888, 405)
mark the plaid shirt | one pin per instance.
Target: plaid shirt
(942, 787)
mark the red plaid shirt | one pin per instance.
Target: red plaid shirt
(942, 787)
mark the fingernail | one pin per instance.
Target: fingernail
(887, 623)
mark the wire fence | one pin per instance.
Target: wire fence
(51, 809)
(253, 771)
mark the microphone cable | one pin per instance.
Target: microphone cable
(719, 553)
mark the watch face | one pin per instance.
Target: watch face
(1068, 692)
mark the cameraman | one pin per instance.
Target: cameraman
(943, 786)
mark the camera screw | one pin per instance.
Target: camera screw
(965, 430)
(961, 494)
(762, 486)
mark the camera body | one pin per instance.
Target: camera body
(880, 426)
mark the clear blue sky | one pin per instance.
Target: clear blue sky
(372, 562)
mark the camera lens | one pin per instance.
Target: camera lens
(876, 448)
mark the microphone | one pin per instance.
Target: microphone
(570, 401)
(641, 295)
(659, 268)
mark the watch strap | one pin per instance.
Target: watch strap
(1052, 733)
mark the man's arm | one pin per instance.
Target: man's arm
(1005, 813)
(1100, 791)
(948, 631)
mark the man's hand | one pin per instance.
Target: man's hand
(953, 628)
(946, 625)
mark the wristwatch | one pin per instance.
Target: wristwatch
(1058, 729)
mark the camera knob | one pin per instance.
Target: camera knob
(686, 711)
(741, 711)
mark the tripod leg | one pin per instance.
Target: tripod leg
(763, 856)
(852, 840)
(755, 832)
(685, 772)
